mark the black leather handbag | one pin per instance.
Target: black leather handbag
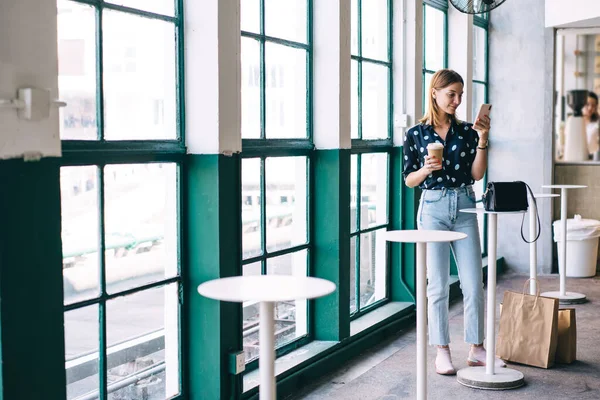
(510, 196)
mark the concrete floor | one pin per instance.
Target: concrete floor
(387, 372)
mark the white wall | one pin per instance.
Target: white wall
(564, 13)
(521, 85)
(213, 74)
(28, 57)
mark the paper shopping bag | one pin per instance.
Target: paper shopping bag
(528, 332)
(566, 349)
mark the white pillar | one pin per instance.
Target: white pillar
(28, 58)
(407, 71)
(331, 68)
(460, 56)
(213, 76)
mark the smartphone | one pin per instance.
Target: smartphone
(484, 110)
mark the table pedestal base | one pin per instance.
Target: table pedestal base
(568, 298)
(502, 379)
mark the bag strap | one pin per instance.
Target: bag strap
(537, 296)
(537, 214)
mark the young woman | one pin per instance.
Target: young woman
(447, 188)
(592, 127)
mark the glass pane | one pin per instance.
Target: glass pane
(165, 7)
(375, 107)
(250, 16)
(81, 351)
(353, 244)
(250, 89)
(287, 197)
(251, 311)
(140, 224)
(354, 27)
(291, 317)
(79, 216)
(479, 46)
(353, 192)
(77, 70)
(252, 269)
(139, 77)
(375, 29)
(426, 89)
(286, 19)
(373, 267)
(373, 187)
(478, 99)
(143, 340)
(435, 26)
(251, 196)
(354, 99)
(285, 91)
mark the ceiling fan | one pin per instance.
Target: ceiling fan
(476, 6)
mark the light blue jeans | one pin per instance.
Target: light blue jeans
(439, 210)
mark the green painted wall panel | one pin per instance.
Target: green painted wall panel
(212, 249)
(31, 283)
(403, 211)
(332, 242)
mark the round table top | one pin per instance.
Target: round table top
(422, 236)
(564, 186)
(483, 211)
(266, 288)
(545, 195)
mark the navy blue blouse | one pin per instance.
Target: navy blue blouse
(460, 149)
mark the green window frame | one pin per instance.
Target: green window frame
(371, 146)
(101, 154)
(265, 149)
(433, 5)
(481, 22)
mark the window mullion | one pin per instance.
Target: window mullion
(358, 227)
(263, 214)
(99, 75)
(263, 78)
(359, 66)
(103, 362)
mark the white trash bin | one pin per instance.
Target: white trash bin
(582, 246)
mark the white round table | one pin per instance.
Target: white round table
(421, 238)
(562, 295)
(266, 289)
(488, 377)
(533, 245)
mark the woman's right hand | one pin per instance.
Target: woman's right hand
(432, 164)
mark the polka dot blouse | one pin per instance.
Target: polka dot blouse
(460, 149)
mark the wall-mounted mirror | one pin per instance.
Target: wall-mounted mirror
(577, 87)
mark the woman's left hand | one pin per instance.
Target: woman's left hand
(482, 126)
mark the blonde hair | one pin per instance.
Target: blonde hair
(440, 80)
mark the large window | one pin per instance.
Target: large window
(122, 147)
(371, 145)
(435, 43)
(480, 95)
(276, 148)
